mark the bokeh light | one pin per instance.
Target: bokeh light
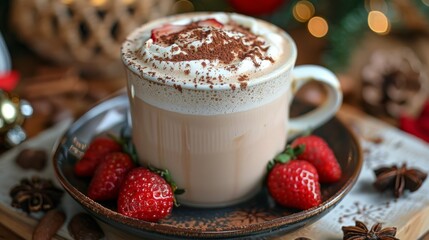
(67, 2)
(128, 2)
(303, 11)
(318, 26)
(98, 2)
(376, 5)
(182, 6)
(8, 112)
(378, 22)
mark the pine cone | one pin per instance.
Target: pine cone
(393, 83)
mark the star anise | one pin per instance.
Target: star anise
(35, 194)
(398, 179)
(361, 232)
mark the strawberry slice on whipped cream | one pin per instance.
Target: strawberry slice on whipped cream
(164, 30)
(168, 29)
(211, 22)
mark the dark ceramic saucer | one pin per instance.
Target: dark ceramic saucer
(259, 217)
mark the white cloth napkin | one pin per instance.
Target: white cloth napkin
(382, 145)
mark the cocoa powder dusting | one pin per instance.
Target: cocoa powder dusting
(178, 87)
(223, 47)
(227, 45)
(243, 78)
(232, 86)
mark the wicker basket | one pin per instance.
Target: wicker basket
(86, 33)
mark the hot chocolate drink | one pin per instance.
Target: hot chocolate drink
(210, 61)
(209, 96)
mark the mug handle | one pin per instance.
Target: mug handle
(313, 119)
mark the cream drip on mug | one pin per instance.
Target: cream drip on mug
(222, 49)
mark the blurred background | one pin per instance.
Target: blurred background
(60, 57)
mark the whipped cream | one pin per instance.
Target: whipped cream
(237, 52)
(165, 73)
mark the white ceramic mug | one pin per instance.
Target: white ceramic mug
(216, 140)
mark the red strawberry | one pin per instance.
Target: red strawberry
(295, 184)
(145, 195)
(318, 153)
(109, 176)
(210, 22)
(168, 29)
(165, 30)
(96, 151)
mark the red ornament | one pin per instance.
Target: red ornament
(256, 7)
(418, 126)
(9, 80)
